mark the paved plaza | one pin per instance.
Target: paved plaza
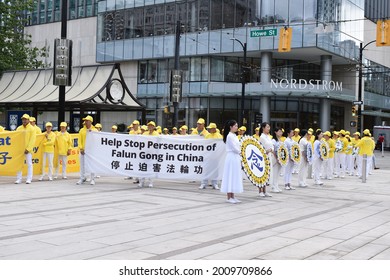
(59, 220)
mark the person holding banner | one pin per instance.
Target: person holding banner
(277, 166)
(317, 158)
(136, 128)
(266, 141)
(83, 136)
(98, 127)
(183, 130)
(48, 151)
(64, 147)
(33, 124)
(329, 164)
(232, 173)
(114, 129)
(29, 142)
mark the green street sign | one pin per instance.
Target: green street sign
(264, 33)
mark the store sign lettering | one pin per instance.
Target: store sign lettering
(312, 84)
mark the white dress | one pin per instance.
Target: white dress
(232, 175)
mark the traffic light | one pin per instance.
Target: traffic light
(383, 33)
(285, 37)
(166, 109)
(176, 86)
(62, 75)
(353, 110)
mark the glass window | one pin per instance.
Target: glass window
(228, 13)
(217, 69)
(310, 10)
(72, 9)
(170, 21)
(162, 71)
(281, 11)
(216, 14)
(149, 21)
(195, 71)
(204, 15)
(296, 11)
(267, 12)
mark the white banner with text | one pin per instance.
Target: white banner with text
(165, 157)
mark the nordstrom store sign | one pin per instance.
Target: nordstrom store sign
(302, 84)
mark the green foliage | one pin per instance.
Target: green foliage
(15, 50)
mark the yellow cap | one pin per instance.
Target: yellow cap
(88, 118)
(114, 127)
(311, 130)
(130, 126)
(98, 125)
(144, 127)
(25, 116)
(243, 128)
(327, 133)
(32, 119)
(135, 122)
(201, 121)
(342, 131)
(357, 133)
(174, 128)
(296, 130)
(63, 124)
(212, 125)
(318, 129)
(184, 127)
(348, 133)
(335, 133)
(258, 128)
(151, 123)
(282, 129)
(165, 129)
(48, 124)
(366, 132)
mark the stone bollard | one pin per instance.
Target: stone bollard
(364, 168)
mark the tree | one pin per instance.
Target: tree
(15, 50)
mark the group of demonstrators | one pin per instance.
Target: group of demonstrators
(332, 155)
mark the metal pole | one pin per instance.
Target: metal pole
(61, 89)
(360, 90)
(177, 67)
(243, 81)
(364, 168)
(383, 148)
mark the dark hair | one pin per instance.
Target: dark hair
(303, 134)
(226, 129)
(317, 133)
(276, 129)
(263, 125)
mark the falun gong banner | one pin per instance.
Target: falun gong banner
(166, 157)
(11, 152)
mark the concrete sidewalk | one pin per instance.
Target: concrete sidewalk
(345, 219)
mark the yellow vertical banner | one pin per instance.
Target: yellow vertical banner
(11, 152)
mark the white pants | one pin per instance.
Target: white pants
(62, 159)
(82, 168)
(288, 172)
(49, 157)
(360, 165)
(349, 163)
(275, 175)
(304, 167)
(328, 168)
(336, 162)
(342, 164)
(213, 182)
(272, 161)
(28, 158)
(317, 165)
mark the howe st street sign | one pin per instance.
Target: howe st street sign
(264, 33)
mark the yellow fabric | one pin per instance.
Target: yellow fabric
(214, 135)
(48, 142)
(256, 136)
(154, 133)
(283, 138)
(354, 141)
(30, 136)
(296, 138)
(332, 147)
(1, 128)
(37, 129)
(63, 143)
(345, 142)
(203, 133)
(366, 146)
(135, 132)
(83, 136)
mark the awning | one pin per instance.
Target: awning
(90, 89)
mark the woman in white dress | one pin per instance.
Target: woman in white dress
(317, 159)
(276, 167)
(232, 175)
(266, 141)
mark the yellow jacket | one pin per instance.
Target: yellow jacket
(48, 142)
(134, 132)
(154, 133)
(257, 137)
(345, 142)
(30, 136)
(83, 136)
(37, 129)
(366, 146)
(204, 132)
(296, 138)
(63, 143)
(332, 147)
(215, 135)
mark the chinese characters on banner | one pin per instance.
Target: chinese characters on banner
(187, 157)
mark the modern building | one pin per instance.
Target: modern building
(313, 85)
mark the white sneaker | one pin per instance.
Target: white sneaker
(287, 188)
(231, 200)
(18, 181)
(92, 182)
(50, 179)
(237, 201)
(40, 178)
(319, 183)
(55, 177)
(140, 185)
(64, 177)
(80, 182)
(267, 194)
(275, 190)
(302, 185)
(215, 187)
(279, 190)
(28, 182)
(202, 187)
(262, 194)
(292, 188)
(150, 185)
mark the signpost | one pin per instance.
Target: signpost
(359, 102)
(264, 33)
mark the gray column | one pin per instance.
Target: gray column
(325, 107)
(265, 101)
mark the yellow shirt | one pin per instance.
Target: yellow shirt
(63, 143)
(48, 142)
(83, 136)
(345, 142)
(214, 135)
(282, 139)
(204, 132)
(30, 136)
(135, 132)
(256, 136)
(37, 129)
(332, 147)
(154, 133)
(296, 138)
(366, 146)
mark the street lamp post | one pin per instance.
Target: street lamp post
(360, 87)
(243, 77)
